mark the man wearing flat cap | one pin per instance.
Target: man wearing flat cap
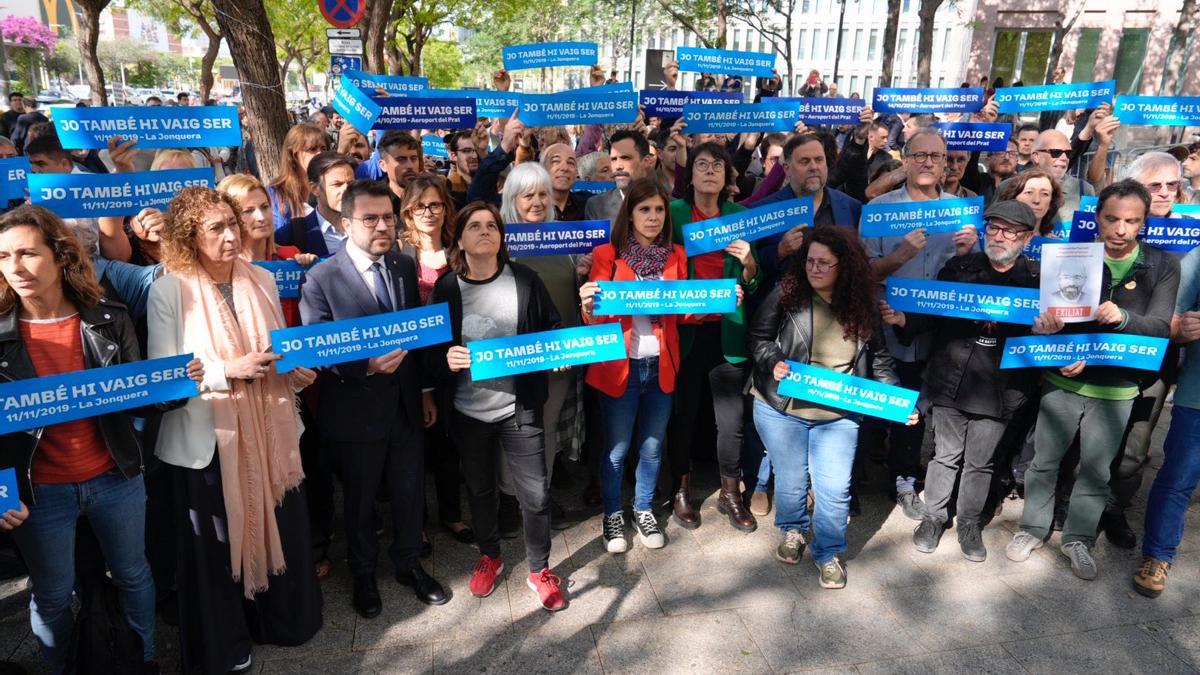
(969, 397)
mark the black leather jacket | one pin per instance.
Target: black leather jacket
(108, 339)
(775, 335)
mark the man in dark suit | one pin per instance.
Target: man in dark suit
(629, 152)
(372, 412)
(806, 159)
(321, 232)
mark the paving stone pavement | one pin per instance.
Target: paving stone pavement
(715, 599)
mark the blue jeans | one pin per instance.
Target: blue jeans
(116, 509)
(645, 403)
(816, 453)
(1173, 486)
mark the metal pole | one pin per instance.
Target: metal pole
(632, 33)
(837, 56)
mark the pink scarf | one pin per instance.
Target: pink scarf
(255, 421)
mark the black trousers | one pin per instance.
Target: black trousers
(394, 464)
(1128, 465)
(966, 442)
(731, 407)
(904, 442)
(442, 458)
(318, 485)
(521, 439)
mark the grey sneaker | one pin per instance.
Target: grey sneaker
(1022, 546)
(647, 529)
(1082, 562)
(833, 573)
(614, 533)
(792, 548)
(911, 504)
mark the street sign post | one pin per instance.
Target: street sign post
(342, 13)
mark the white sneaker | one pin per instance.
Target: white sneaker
(614, 533)
(647, 529)
(1022, 546)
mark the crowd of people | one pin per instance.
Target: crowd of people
(217, 512)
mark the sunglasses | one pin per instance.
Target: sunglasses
(1054, 152)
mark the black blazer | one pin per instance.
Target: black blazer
(355, 407)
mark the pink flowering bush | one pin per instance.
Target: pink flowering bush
(26, 31)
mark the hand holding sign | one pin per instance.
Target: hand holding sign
(386, 364)
(302, 377)
(781, 370)
(458, 358)
(501, 80)
(890, 316)
(252, 366)
(587, 297)
(1047, 324)
(195, 370)
(13, 518)
(513, 132)
(122, 152)
(1189, 326)
(1073, 370)
(965, 239)
(1109, 313)
(1105, 129)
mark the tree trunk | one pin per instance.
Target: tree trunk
(375, 24)
(890, 33)
(1062, 26)
(1174, 66)
(304, 80)
(926, 13)
(207, 63)
(252, 46)
(395, 65)
(88, 12)
(722, 23)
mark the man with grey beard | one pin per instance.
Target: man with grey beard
(964, 390)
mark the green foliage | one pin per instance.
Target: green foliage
(64, 62)
(442, 64)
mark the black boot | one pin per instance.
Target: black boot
(970, 540)
(1117, 530)
(928, 534)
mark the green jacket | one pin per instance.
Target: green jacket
(733, 326)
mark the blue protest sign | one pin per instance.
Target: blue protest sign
(151, 126)
(289, 275)
(1094, 349)
(1036, 98)
(574, 237)
(625, 298)
(10, 500)
(14, 171)
(487, 103)
(569, 107)
(725, 61)
(1187, 210)
(848, 392)
(920, 100)
(938, 215)
(1033, 250)
(425, 113)
(979, 302)
(394, 85)
(1171, 111)
(715, 234)
(332, 342)
(433, 146)
(1089, 203)
(531, 352)
(593, 187)
(550, 54)
(972, 136)
(91, 195)
(1177, 235)
(42, 401)
(354, 105)
(730, 118)
(605, 88)
(1083, 227)
(830, 111)
(670, 103)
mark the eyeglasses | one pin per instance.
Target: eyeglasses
(704, 166)
(469, 150)
(819, 265)
(1011, 154)
(1171, 186)
(1054, 152)
(1005, 233)
(922, 157)
(435, 208)
(372, 220)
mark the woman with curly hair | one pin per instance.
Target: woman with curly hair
(822, 313)
(290, 190)
(244, 558)
(1038, 190)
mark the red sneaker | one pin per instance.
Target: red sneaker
(483, 579)
(548, 588)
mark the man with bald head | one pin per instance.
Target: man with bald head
(559, 161)
(1052, 153)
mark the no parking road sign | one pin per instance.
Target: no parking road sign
(342, 13)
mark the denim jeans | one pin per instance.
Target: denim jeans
(116, 508)
(816, 453)
(645, 403)
(966, 446)
(1173, 486)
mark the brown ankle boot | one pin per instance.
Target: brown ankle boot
(729, 503)
(685, 515)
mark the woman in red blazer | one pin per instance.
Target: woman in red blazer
(640, 387)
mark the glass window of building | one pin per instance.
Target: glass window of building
(1131, 58)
